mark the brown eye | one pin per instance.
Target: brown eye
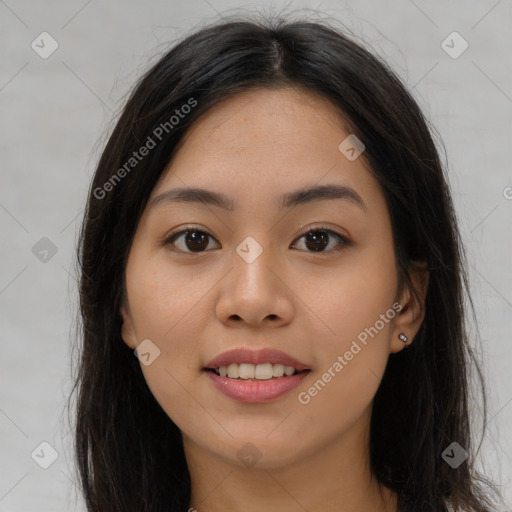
(316, 240)
(189, 240)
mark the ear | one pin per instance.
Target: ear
(409, 319)
(128, 329)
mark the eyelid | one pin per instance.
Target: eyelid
(186, 227)
(323, 227)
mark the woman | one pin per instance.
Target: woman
(272, 288)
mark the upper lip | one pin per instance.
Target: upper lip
(265, 355)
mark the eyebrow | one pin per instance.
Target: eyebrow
(288, 200)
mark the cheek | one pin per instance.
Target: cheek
(166, 303)
(336, 401)
(353, 297)
(356, 321)
(165, 300)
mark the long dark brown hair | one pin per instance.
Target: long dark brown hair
(129, 453)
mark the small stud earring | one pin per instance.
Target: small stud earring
(403, 337)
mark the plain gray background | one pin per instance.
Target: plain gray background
(55, 112)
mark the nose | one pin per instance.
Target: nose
(256, 293)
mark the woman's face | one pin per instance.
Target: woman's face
(269, 273)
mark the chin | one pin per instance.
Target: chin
(259, 452)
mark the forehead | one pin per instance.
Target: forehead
(263, 141)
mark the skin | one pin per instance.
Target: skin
(254, 147)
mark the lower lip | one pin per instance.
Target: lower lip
(256, 391)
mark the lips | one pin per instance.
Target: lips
(255, 357)
(255, 390)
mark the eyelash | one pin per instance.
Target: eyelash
(344, 241)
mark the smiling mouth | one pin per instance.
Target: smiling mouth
(256, 372)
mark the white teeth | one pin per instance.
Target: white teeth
(278, 370)
(289, 370)
(251, 371)
(263, 371)
(246, 371)
(233, 371)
